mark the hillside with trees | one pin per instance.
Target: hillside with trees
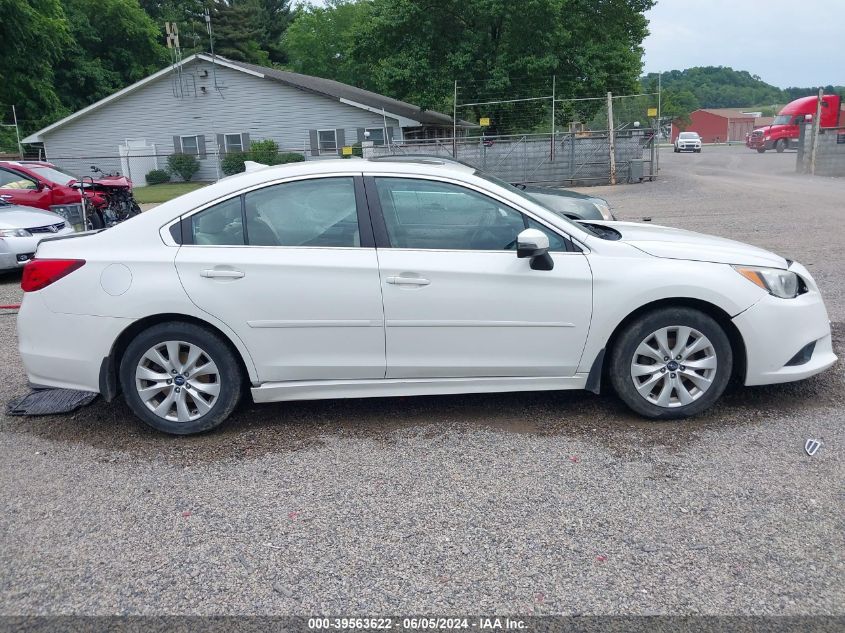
(722, 87)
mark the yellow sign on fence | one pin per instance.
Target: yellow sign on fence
(484, 121)
(652, 112)
(346, 150)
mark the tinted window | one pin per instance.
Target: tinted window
(435, 215)
(11, 180)
(220, 225)
(319, 212)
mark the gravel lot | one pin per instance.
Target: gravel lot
(520, 504)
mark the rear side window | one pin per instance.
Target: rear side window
(318, 212)
(220, 225)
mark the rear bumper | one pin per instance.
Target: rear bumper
(776, 330)
(64, 350)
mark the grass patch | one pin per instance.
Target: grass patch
(165, 192)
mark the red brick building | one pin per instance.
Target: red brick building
(719, 125)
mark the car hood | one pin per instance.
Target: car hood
(664, 241)
(19, 217)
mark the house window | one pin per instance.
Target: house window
(327, 141)
(376, 135)
(234, 142)
(190, 145)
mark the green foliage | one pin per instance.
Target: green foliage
(114, 43)
(183, 165)
(233, 162)
(265, 152)
(238, 30)
(320, 40)
(158, 177)
(34, 34)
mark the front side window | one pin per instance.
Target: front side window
(190, 145)
(318, 212)
(327, 140)
(425, 214)
(234, 142)
(12, 180)
(219, 225)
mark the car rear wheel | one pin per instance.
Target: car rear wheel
(180, 378)
(671, 363)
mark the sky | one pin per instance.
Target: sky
(784, 42)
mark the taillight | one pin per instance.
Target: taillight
(40, 273)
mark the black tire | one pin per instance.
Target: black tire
(95, 220)
(698, 151)
(216, 349)
(677, 150)
(780, 145)
(624, 350)
(761, 150)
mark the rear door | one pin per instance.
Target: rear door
(292, 269)
(16, 188)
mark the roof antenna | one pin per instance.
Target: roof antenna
(175, 58)
(207, 15)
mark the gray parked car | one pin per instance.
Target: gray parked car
(21, 228)
(570, 204)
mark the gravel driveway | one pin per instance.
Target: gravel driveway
(516, 503)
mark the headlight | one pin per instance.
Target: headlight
(780, 283)
(768, 138)
(604, 210)
(15, 233)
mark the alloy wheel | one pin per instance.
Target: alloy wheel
(177, 381)
(674, 366)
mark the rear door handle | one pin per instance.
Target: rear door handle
(211, 273)
(408, 281)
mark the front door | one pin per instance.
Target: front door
(16, 188)
(457, 300)
(290, 270)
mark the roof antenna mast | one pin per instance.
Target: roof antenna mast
(207, 15)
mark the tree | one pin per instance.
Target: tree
(113, 43)
(321, 39)
(416, 50)
(238, 31)
(33, 34)
(275, 17)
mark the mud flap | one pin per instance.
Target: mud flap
(50, 401)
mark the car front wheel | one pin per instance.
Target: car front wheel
(671, 363)
(180, 378)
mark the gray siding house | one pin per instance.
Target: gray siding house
(209, 106)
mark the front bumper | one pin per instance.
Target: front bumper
(15, 252)
(689, 147)
(776, 330)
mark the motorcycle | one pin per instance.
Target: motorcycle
(107, 199)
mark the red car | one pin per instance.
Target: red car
(108, 199)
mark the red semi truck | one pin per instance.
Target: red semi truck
(784, 131)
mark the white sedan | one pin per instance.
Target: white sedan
(346, 279)
(688, 142)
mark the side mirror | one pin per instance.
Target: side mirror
(535, 244)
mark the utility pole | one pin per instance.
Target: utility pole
(816, 126)
(656, 140)
(17, 132)
(552, 150)
(611, 137)
(455, 122)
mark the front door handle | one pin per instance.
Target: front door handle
(211, 273)
(408, 281)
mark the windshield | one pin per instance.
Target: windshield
(689, 134)
(51, 174)
(782, 119)
(513, 189)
